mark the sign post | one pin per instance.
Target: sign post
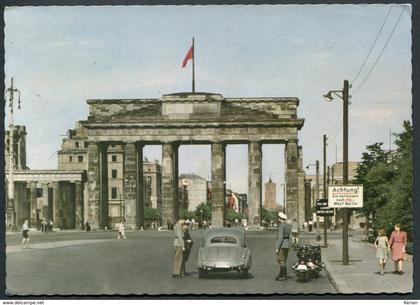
(322, 208)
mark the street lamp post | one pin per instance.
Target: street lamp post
(345, 97)
(324, 184)
(10, 209)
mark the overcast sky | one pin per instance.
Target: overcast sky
(61, 56)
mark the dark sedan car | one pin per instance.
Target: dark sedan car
(224, 249)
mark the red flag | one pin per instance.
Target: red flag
(188, 56)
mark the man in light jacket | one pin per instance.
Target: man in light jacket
(282, 245)
(179, 249)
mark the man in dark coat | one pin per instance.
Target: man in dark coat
(282, 245)
(188, 243)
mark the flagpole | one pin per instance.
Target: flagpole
(193, 67)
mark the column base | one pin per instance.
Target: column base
(217, 219)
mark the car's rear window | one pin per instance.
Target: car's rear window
(223, 239)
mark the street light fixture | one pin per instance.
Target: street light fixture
(10, 209)
(344, 95)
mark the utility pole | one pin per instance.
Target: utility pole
(325, 187)
(345, 97)
(345, 169)
(10, 208)
(318, 236)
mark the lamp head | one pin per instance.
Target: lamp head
(328, 97)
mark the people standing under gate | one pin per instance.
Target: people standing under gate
(43, 225)
(295, 232)
(25, 234)
(397, 244)
(381, 245)
(121, 230)
(282, 245)
(179, 248)
(188, 243)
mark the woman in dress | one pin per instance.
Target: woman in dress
(397, 244)
(381, 245)
(25, 235)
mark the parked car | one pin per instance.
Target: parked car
(224, 249)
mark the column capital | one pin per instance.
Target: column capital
(293, 140)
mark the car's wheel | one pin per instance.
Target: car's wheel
(202, 273)
(244, 274)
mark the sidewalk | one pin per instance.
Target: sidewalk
(361, 276)
(53, 245)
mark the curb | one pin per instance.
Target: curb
(331, 278)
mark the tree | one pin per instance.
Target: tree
(231, 215)
(374, 173)
(387, 183)
(267, 215)
(203, 211)
(399, 209)
(185, 214)
(152, 214)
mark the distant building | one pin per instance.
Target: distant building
(19, 147)
(237, 201)
(193, 191)
(53, 195)
(270, 202)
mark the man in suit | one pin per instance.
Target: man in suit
(179, 247)
(282, 245)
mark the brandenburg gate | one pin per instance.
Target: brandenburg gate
(190, 118)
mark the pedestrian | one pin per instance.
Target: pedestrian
(310, 225)
(397, 244)
(282, 245)
(121, 230)
(179, 248)
(381, 245)
(295, 232)
(43, 225)
(51, 226)
(188, 243)
(87, 225)
(25, 234)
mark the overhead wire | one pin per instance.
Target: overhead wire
(373, 45)
(382, 51)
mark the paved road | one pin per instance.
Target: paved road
(97, 263)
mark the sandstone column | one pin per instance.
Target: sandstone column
(93, 183)
(168, 183)
(140, 194)
(291, 159)
(78, 205)
(218, 184)
(254, 182)
(57, 222)
(44, 210)
(103, 185)
(308, 207)
(33, 206)
(130, 185)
